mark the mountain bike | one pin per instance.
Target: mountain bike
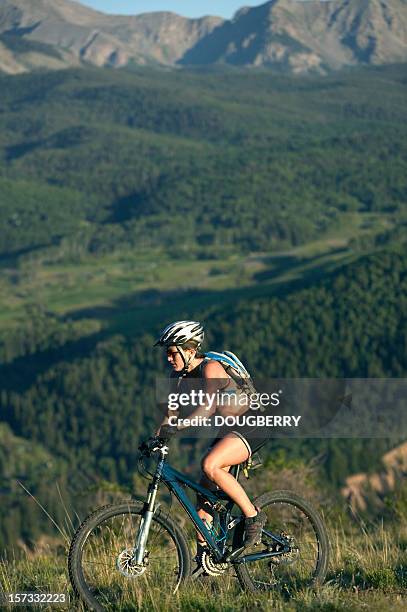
(124, 552)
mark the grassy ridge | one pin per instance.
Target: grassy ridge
(379, 590)
(368, 569)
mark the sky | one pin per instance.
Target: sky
(187, 8)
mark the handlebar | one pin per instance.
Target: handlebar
(152, 445)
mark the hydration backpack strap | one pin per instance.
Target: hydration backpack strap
(234, 368)
(238, 362)
(222, 358)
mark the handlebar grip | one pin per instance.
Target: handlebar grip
(148, 446)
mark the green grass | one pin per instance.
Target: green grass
(368, 571)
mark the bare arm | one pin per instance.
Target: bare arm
(171, 413)
(215, 379)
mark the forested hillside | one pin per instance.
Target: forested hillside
(271, 209)
(107, 158)
(26, 464)
(92, 404)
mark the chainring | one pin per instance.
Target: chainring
(210, 566)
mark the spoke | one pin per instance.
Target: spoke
(103, 548)
(96, 563)
(158, 557)
(297, 569)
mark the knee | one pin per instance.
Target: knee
(209, 467)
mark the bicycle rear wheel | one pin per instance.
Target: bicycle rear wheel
(302, 526)
(100, 558)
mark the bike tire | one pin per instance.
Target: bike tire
(244, 571)
(132, 511)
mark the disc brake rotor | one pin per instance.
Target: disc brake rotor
(126, 565)
(289, 557)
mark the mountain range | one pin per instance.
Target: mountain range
(285, 35)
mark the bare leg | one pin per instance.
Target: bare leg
(206, 516)
(229, 451)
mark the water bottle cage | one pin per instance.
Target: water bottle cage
(246, 467)
(253, 463)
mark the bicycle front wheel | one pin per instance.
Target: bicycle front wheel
(295, 520)
(100, 558)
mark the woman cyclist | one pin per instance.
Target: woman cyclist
(182, 341)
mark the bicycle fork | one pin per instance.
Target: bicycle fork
(150, 509)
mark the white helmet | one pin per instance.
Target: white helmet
(180, 332)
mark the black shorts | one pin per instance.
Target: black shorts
(249, 437)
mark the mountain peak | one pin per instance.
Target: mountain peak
(287, 35)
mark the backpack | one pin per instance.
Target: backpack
(235, 369)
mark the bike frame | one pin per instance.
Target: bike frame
(176, 481)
